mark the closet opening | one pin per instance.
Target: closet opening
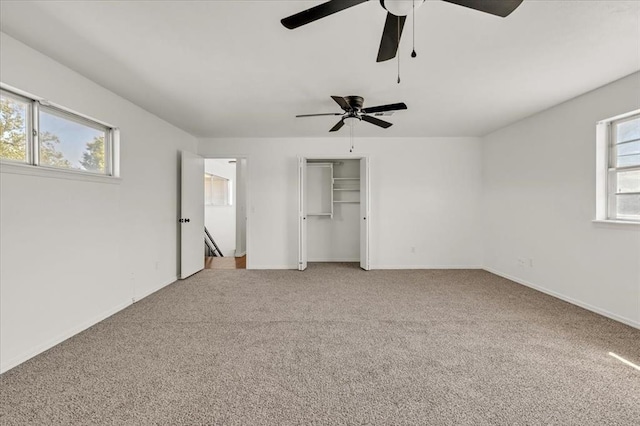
(333, 210)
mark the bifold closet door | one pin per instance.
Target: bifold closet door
(302, 214)
(364, 214)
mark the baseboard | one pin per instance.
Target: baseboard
(61, 338)
(426, 267)
(599, 311)
(153, 290)
(334, 260)
(267, 267)
(373, 267)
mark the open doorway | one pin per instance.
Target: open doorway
(225, 213)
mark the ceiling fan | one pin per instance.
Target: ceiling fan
(397, 11)
(354, 112)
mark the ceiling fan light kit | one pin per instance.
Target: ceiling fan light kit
(352, 121)
(401, 7)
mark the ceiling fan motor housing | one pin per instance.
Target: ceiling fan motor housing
(401, 7)
(355, 102)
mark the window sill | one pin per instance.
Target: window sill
(616, 222)
(31, 170)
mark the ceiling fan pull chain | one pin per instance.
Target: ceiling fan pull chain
(351, 137)
(413, 53)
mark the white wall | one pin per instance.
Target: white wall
(425, 194)
(73, 252)
(539, 186)
(221, 220)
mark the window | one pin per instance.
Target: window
(217, 191)
(15, 122)
(620, 139)
(39, 134)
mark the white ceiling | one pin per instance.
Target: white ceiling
(230, 69)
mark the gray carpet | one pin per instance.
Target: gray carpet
(335, 345)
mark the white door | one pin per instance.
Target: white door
(241, 207)
(191, 215)
(302, 214)
(364, 214)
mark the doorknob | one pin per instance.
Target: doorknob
(184, 220)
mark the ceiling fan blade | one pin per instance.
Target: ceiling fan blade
(338, 126)
(384, 108)
(391, 37)
(495, 7)
(342, 102)
(318, 115)
(318, 12)
(377, 121)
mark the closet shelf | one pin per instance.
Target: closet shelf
(346, 202)
(346, 189)
(335, 178)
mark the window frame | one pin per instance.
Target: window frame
(32, 163)
(607, 170)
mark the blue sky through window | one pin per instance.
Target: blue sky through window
(73, 136)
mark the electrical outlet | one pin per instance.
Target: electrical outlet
(413, 249)
(157, 265)
(530, 262)
(521, 262)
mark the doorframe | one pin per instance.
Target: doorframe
(338, 158)
(247, 197)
